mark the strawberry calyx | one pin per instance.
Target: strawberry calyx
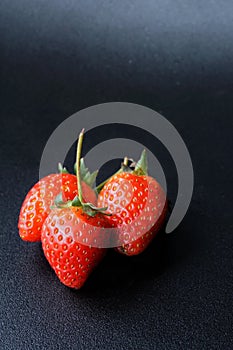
(86, 175)
(88, 208)
(61, 169)
(141, 167)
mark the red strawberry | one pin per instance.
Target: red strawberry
(72, 242)
(74, 236)
(40, 198)
(138, 206)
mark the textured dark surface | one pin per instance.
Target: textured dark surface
(175, 57)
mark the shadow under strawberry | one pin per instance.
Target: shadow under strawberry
(119, 273)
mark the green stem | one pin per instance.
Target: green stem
(78, 157)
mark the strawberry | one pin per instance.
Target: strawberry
(138, 206)
(69, 239)
(40, 198)
(74, 235)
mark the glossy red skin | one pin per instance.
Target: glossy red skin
(40, 198)
(63, 232)
(138, 206)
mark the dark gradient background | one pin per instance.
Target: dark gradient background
(58, 57)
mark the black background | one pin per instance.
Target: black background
(58, 57)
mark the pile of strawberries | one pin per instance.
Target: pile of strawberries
(76, 223)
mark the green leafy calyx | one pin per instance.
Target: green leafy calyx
(141, 167)
(61, 169)
(86, 176)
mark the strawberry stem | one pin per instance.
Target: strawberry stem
(88, 208)
(126, 161)
(78, 157)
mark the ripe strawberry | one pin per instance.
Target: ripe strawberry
(40, 198)
(72, 242)
(138, 206)
(74, 236)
